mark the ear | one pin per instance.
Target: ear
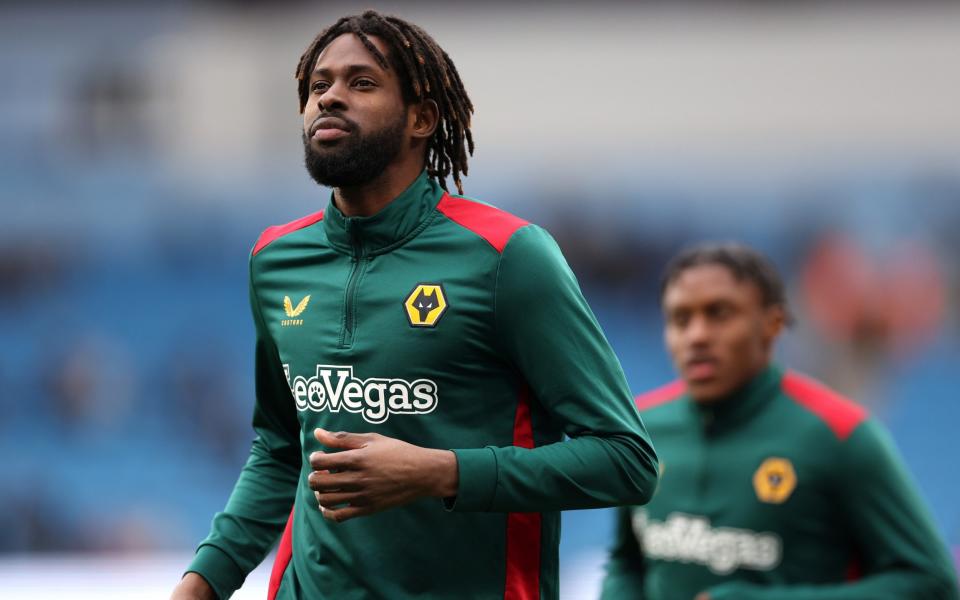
(425, 116)
(774, 320)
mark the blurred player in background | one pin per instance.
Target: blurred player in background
(772, 486)
(446, 343)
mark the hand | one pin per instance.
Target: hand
(193, 587)
(372, 473)
(702, 596)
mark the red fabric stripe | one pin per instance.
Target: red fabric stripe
(854, 570)
(661, 395)
(840, 414)
(523, 529)
(272, 233)
(522, 427)
(284, 554)
(523, 557)
(492, 224)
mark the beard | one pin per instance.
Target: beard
(358, 159)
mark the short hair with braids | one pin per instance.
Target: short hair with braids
(743, 262)
(425, 71)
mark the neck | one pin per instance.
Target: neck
(368, 199)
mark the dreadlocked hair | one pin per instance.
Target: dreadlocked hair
(425, 72)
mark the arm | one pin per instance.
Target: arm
(549, 332)
(901, 552)
(624, 578)
(258, 508)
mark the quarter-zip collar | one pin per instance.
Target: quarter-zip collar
(726, 413)
(396, 223)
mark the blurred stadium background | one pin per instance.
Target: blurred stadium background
(143, 147)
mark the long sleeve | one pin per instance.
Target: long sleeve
(902, 555)
(549, 333)
(624, 576)
(242, 535)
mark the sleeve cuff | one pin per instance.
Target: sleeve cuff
(220, 571)
(477, 469)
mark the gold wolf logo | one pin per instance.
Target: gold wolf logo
(295, 312)
(425, 305)
(775, 480)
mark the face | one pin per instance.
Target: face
(355, 119)
(717, 330)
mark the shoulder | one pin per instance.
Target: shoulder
(495, 226)
(840, 414)
(271, 234)
(660, 396)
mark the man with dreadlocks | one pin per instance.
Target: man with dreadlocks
(420, 357)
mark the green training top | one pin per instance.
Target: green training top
(446, 323)
(784, 491)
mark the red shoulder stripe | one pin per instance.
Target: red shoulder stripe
(272, 233)
(841, 414)
(661, 395)
(492, 224)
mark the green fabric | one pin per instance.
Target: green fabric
(220, 571)
(516, 323)
(707, 529)
(244, 532)
(478, 479)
